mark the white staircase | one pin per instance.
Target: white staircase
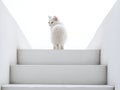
(58, 70)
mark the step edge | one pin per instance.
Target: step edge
(63, 50)
(40, 85)
(19, 65)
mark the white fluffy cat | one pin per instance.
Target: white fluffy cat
(58, 33)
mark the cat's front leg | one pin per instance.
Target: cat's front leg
(55, 46)
(60, 47)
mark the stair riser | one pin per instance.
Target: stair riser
(58, 57)
(58, 74)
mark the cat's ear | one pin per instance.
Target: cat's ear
(55, 18)
(49, 17)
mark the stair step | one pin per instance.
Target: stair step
(58, 57)
(59, 74)
(57, 87)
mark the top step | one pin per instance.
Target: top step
(58, 57)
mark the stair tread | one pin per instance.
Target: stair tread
(59, 65)
(41, 85)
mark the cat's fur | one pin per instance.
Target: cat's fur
(58, 33)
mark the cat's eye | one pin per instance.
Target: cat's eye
(51, 22)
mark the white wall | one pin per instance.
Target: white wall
(9, 38)
(107, 38)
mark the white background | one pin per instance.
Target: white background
(80, 17)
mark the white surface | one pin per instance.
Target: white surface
(107, 39)
(64, 57)
(58, 74)
(22, 42)
(8, 43)
(9, 38)
(56, 87)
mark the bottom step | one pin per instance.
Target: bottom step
(56, 87)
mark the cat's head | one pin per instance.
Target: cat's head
(52, 20)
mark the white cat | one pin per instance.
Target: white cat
(58, 33)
